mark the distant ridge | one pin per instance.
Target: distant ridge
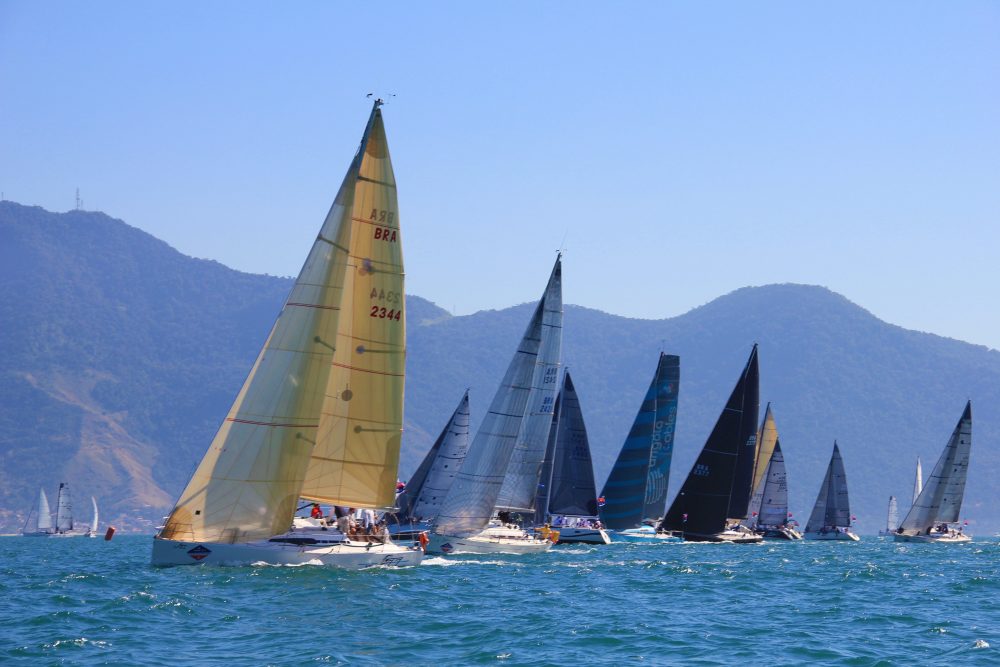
(119, 356)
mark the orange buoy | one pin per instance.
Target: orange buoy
(109, 533)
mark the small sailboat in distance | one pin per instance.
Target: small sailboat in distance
(937, 508)
(320, 415)
(918, 481)
(43, 519)
(831, 515)
(891, 518)
(717, 490)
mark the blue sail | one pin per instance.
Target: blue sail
(637, 486)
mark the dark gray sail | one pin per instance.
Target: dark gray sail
(429, 485)
(637, 485)
(570, 483)
(833, 507)
(705, 500)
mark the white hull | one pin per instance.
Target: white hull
(493, 540)
(578, 535)
(834, 535)
(349, 554)
(644, 535)
(781, 533)
(934, 538)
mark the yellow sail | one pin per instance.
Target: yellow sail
(356, 455)
(249, 482)
(766, 437)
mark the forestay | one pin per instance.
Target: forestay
(940, 501)
(320, 414)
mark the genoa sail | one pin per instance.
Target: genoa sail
(320, 414)
(774, 497)
(832, 508)
(44, 524)
(448, 454)
(570, 483)
(473, 496)
(705, 500)
(940, 501)
(636, 488)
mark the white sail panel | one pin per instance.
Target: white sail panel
(520, 486)
(93, 519)
(918, 481)
(356, 455)
(247, 485)
(892, 516)
(44, 512)
(470, 502)
(446, 465)
(64, 510)
(774, 503)
(940, 501)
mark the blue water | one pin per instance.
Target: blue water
(85, 601)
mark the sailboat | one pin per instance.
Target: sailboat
(43, 520)
(940, 501)
(93, 520)
(567, 499)
(918, 481)
(635, 493)
(501, 472)
(891, 518)
(831, 515)
(772, 510)
(717, 490)
(426, 490)
(320, 415)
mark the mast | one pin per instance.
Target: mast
(707, 497)
(320, 414)
(636, 487)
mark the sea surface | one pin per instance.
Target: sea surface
(85, 601)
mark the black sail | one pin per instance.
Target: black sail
(708, 496)
(572, 490)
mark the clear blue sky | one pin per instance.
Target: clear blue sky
(681, 150)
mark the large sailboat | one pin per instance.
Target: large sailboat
(771, 512)
(716, 494)
(499, 478)
(43, 519)
(891, 518)
(426, 490)
(936, 509)
(635, 493)
(831, 515)
(320, 415)
(567, 497)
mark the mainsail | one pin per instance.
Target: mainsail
(93, 520)
(706, 500)
(940, 501)
(774, 498)
(918, 481)
(44, 513)
(473, 495)
(448, 454)
(832, 508)
(892, 516)
(636, 488)
(64, 509)
(320, 414)
(569, 483)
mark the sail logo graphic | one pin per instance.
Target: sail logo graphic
(701, 470)
(447, 548)
(200, 552)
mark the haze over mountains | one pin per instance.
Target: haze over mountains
(119, 357)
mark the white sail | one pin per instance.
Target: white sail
(940, 501)
(93, 521)
(774, 501)
(320, 414)
(832, 508)
(44, 513)
(447, 463)
(918, 481)
(892, 517)
(64, 509)
(473, 496)
(520, 486)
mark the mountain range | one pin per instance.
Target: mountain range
(119, 357)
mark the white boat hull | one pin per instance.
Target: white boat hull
(350, 555)
(933, 538)
(781, 533)
(833, 535)
(644, 535)
(578, 535)
(490, 541)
